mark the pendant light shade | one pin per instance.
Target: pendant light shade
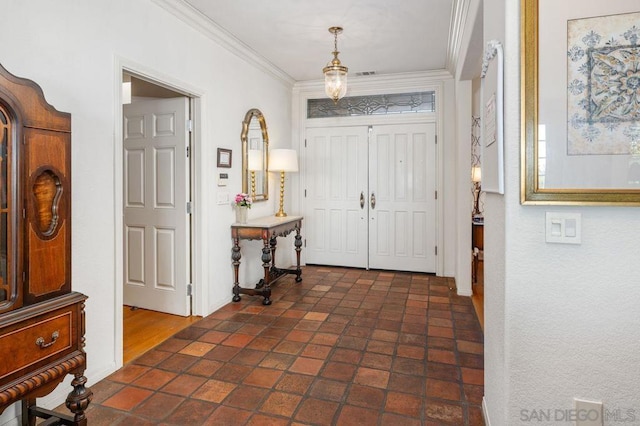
(335, 74)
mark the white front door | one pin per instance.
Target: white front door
(402, 170)
(370, 197)
(336, 177)
(156, 192)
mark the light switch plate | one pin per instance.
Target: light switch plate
(563, 227)
(223, 198)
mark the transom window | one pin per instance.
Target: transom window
(396, 103)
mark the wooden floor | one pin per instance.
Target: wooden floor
(144, 330)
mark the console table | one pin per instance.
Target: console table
(266, 229)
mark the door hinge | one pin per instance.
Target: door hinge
(305, 193)
(305, 242)
(436, 194)
(188, 151)
(24, 213)
(188, 207)
(436, 250)
(189, 289)
(24, 276)
(436, 139)
(305, 143)
(190, 125)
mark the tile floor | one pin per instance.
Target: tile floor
(343, 347)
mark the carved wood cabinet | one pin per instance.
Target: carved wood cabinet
(42, 321)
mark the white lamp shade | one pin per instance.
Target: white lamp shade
(254, 159)
(283, 160)
(476, 174)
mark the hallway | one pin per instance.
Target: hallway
(344, 346)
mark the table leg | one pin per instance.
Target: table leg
(298, 245)
(273, 241)
(266, 264)
(235, 257)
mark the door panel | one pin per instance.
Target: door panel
(402, 178)
(336, 175)
(134, 252)
(157, 247)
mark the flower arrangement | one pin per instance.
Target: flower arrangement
(243, 200)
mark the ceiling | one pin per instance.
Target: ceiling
(383, 36)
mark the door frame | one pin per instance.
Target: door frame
(199, 295)
(409, 82)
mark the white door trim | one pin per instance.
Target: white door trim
(370, 86)
(198, 246)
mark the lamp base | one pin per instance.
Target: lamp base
(281, 212)
(476, 200)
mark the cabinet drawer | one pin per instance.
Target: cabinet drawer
(35, 340)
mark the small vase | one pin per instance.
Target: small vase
(241, 214)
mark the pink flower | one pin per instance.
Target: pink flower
(243, 200)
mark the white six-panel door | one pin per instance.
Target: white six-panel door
(156, 192)
(402, 170)
(346, 168)
(336, 176)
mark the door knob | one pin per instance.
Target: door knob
(362, 200)
(373, 200)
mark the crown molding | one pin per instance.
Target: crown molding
(372, 84)
(194, 18)
(459, 14)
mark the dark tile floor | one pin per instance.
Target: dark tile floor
(343, 347)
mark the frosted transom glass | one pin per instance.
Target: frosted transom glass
(396, 103)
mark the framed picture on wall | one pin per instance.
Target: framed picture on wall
(224, 157)
(492, 118)
(580, 102)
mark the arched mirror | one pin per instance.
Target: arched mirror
(255, 150)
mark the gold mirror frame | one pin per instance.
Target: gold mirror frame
(262, 191)
(530, 191)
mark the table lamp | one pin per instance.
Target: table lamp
(476, 177)
(282, 160)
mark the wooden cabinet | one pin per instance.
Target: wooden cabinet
(477, 245)
(42, 322)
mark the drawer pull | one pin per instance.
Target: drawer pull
(40, 340)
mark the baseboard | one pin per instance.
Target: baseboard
(485, 412)
(465, 292)
(11, 416)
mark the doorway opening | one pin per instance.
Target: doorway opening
(157, 221)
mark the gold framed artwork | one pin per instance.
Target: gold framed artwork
(580, 77)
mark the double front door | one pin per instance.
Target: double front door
(371, 196)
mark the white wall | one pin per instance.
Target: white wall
(561, 321)
(464, 199)
(71, 48)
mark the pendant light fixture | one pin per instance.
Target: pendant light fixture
(335, 74)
